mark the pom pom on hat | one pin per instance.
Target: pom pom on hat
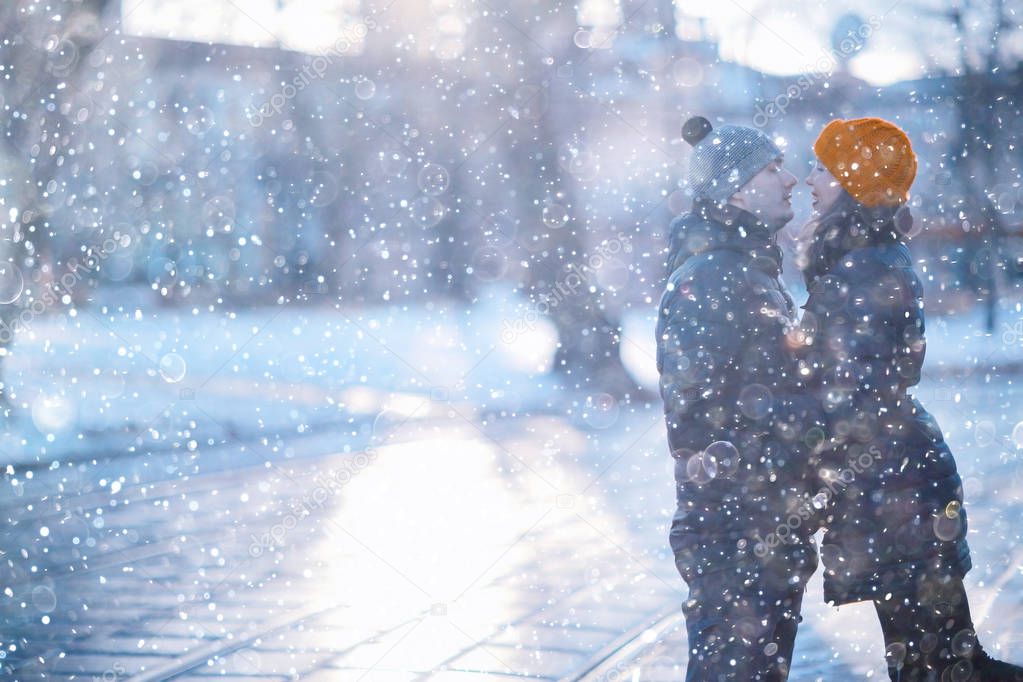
(695, 129)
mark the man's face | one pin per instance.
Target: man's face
(768, 195)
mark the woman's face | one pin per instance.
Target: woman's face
(823, 188)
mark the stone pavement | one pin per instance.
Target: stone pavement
(458, 547)
(461, 545)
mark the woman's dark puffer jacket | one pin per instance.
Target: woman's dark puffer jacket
(895, 499)
(727, 374)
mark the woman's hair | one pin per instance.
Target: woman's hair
(846, 225)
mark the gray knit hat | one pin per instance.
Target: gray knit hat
(726, 158)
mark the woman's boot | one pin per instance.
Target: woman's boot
(929, 636)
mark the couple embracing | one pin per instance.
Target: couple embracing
(780, 427)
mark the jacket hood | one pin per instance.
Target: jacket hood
(712, 227)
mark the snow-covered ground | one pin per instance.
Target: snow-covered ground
(105, 379)
(116, 378)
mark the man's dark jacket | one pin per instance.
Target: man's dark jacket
(740, 425)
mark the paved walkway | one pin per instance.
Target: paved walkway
(454, 546)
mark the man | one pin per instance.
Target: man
(738, 425)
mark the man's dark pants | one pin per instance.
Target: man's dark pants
(742, 621)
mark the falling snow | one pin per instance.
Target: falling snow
(396, 340)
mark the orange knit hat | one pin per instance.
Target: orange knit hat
(871, 158)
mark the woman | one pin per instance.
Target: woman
(896, 529)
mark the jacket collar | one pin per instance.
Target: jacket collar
(746, 228)
(712, 227)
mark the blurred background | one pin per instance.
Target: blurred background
(243, 233)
